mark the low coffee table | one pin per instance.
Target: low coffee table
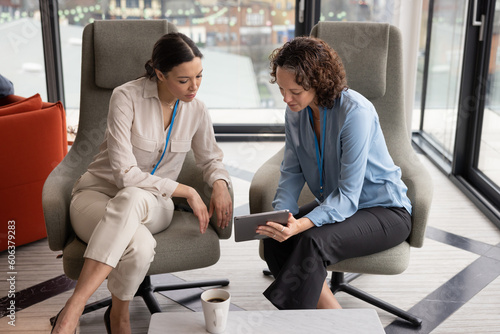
(352, 321)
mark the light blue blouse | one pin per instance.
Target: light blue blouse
(358, 170)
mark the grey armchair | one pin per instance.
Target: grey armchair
(372, 56)
(115, 52)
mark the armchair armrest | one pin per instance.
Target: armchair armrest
(56, 197)
(264, 184)
(420, 191)
(192, 176)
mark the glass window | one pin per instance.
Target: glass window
(489, 154)
(132, 3)
(445, 68)
(235, 37)
(417, 106)
(370, 10)
(22, 48)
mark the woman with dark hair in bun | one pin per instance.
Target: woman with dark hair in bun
(333, 143)
(125, 195)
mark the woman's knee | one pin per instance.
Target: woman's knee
(313, 247)
(311, 238)
(141, 249)
(86, 210)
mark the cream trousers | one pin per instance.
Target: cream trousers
(118, 227)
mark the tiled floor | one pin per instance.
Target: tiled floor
(452, 282)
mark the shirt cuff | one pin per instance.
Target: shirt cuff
(168, 188)
(228, 182)
(318, 217)
(217, 177)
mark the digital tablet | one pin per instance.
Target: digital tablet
(245, 226)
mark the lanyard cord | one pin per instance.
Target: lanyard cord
(168, 137)
(319, 156)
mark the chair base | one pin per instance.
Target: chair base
(339, 283)
(146, 291)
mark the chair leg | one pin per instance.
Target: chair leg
(97, 305)
(91, 307)
(338, 283)
(147, 289)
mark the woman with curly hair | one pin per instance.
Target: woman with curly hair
(334, 143)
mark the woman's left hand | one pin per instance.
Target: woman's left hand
(280, 232)
(221, 204)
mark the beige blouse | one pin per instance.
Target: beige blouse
(135, 138)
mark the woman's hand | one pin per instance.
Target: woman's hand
(280, 232)
(196, 203)
(221, 204)
(199, 210)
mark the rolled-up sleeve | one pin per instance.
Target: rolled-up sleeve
(207, 153)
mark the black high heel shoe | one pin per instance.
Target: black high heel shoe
(107, 320)
(55, 321)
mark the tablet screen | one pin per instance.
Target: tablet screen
(245, 226)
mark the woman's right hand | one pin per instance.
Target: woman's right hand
(196, 203)
(199, 210)
(280, 232)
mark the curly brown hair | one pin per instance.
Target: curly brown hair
(316, 66)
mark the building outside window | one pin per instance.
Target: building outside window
(21, 45)
(235, 36)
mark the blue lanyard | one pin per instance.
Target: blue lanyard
(319, 155)
(168, 137)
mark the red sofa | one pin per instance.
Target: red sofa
(33, 140)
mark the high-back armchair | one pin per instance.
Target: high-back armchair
(114, 52)
(372, 57)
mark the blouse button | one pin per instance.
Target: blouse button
(160, 151)
(127, 170)
(164, 195)
(153, 166)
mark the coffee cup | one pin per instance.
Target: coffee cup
(215, 303)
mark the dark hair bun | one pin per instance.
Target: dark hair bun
(150, 70)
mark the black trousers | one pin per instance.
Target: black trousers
(299, 263)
